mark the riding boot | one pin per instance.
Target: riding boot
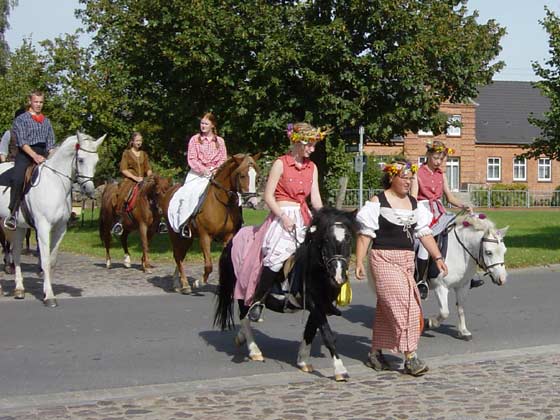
(10, 222)
(476, 283)
(421, 282)
(268, 277)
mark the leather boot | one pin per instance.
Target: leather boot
(268, 277)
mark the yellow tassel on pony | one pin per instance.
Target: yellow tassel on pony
(345, 296)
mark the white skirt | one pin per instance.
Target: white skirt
(278, 243)
(440, 225)
(185, 199)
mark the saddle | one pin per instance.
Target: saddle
(441, 240)
(132, 197)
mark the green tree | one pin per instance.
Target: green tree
(548, 143)
(5, 6)
(386, 64)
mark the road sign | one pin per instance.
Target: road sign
(360, 162)
(352, 148)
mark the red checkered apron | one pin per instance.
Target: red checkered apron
(398, 315)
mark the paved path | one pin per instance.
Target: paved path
(494, 385)
(516, 384)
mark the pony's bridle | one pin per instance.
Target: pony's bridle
(480, 262)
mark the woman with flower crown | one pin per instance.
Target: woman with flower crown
(429, 187)
(292, 179)
(392, 219)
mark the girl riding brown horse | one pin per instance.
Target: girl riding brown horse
(145, 217)
(219, 214)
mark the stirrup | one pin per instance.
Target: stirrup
(162, 227)
(10, 222)
(476, 282)
(255, 311)
(117, 229)
(423, 289)
(185, 231)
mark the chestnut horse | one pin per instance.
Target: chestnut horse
(219, 216)
(144, 217)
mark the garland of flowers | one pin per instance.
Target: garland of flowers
(439, 149)
(296, 134)
(399, 168)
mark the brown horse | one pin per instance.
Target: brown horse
(219, 216)
(144, 217)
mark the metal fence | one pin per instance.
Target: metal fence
(477, 198)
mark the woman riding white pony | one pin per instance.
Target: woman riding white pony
(48, 203)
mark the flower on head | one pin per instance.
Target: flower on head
(400, 168)
(306, 134)
(482, 216)
(466, 224)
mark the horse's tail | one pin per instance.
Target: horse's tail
(223, 316)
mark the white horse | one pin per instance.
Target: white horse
(49, 201)
(473, 242)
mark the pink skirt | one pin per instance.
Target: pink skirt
(398, 315)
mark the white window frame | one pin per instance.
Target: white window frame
(496, 161)
(519, 163)
(425, 133)
(544, 164)
(453, 167)
(453, 131)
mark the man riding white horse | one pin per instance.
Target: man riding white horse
(35, 139)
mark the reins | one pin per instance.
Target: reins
(77, 174)
(480, 262)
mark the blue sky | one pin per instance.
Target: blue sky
(525, 42)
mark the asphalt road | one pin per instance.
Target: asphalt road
(105, 342)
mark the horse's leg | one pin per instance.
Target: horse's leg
(180, 248)
(57, 233)
(124, 243)
(44, 238)
(245, 335)
(304, 353)
(319, 318)
(152, 230)
(441, 293)
(19, 292)
(205, 244)
(105, 234)
(143, 230)
(461, 293)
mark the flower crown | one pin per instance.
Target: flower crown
(400, 168)
(438, 149)
(298, 135)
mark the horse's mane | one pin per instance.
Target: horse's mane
(71, 142)
(478, 222)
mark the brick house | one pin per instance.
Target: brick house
(487, 145)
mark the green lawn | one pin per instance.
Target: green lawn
(532, 239)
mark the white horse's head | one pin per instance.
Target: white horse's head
(85, 161)
(491, 247)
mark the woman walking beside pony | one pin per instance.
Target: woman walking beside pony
(392, 219)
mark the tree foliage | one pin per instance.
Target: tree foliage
(548, 143)
(159, 65)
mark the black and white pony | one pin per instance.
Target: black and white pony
(473, 243)
(321, 264)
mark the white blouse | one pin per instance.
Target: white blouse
(368, 217)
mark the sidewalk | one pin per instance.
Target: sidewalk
(517, 384)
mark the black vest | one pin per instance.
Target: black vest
(391, 236)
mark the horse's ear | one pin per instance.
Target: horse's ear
(98, 142)
(238, 158)
(257, 156)
(502, 232)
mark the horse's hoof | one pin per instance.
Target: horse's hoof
(127, 265)
(183, 290)
(19, 294)
(306, 368)
(5, 292)
(196, 284)
(467, 337)
(108, 264)
(257, 357)
(50, 303)
(147, 271)
(341, 377)
(9, 269)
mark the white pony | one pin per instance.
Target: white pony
(473, 242)
(49, 201)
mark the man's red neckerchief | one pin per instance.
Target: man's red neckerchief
(39, 118)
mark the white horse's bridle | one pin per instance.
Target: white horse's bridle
(77, 174)
(480, 262)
